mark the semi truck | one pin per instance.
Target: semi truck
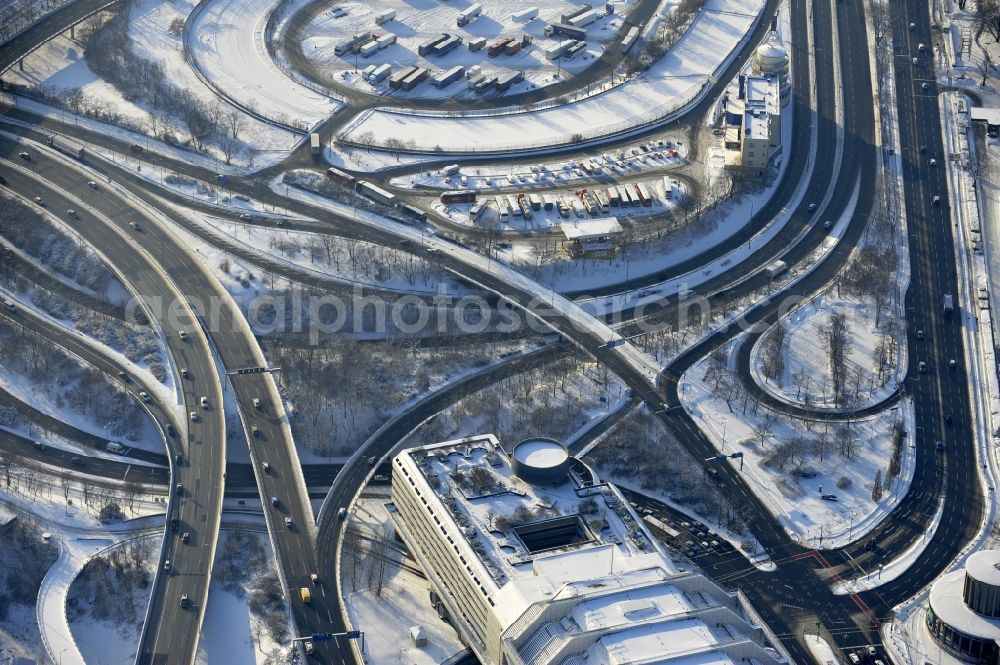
(949, 305)
(443, 47)
(468, 14)
(386, 41)
(508, 80)
(565, 30)
(586, 18)
(315, 147)
(376, 193)
(413, 212)
(368, 49)
(64, 145)
(629, 39)
(341, 177)
(557, 50)
(384, 17)
(486, 84)
(497, 46)
(381, 73)
(352, 44)
(446, 78)
(411, 81)
(569, 16)
(525, 15)
(477, 44)
(428, 46)
(305, 595)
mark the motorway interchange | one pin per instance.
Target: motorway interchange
(834, 161)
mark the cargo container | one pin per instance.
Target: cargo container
(386, 41)
(468, 14)
(556, 50)
(459, 196)
(569, 16)
(380, 74)
(384, 17)
(447, 45)
(644, 196)
(375, 193)
(411, 81)
(497, 46)
(536, 201)
(413, 212)
(64, 145)
(396, 80)
(508, 80)
(315, 147)
(623, 196)
(630, 38)
(513, 47)
(574, 50)
(525, 15)
(584, 19)
(305, 594)
(429, 45)
(548, 201)
(613, 197)
(367, 49)
(565, 30)
(477, 44)
(341, 177)
(486, 84)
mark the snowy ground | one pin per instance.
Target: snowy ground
(794, 499)
(806, 377)
(661, 153)
(60, 65)
(672, 82)
(226, 39)
(19, 634)
(402, 603)
(666, 193)
(418, 20)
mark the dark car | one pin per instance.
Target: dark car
(175, 524)
(171, 430)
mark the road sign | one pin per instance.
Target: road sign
(353, 634)
(322, 637)
(615, 342)
(736, 456)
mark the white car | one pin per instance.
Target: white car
(183, 335)
(204, 402)
(195, 417)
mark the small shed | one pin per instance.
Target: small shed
(592, 237)
(991, 116)
(418, 635)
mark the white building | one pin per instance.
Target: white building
(535, 562)
(753, 123)
(963, 609)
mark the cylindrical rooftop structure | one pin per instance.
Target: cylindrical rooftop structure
(540, 461)
(982, 583)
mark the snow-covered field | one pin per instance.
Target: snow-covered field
(418, 20)
(806, 377)
(226, 38)
(403, 602)
(672, 82)
(799, 461)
